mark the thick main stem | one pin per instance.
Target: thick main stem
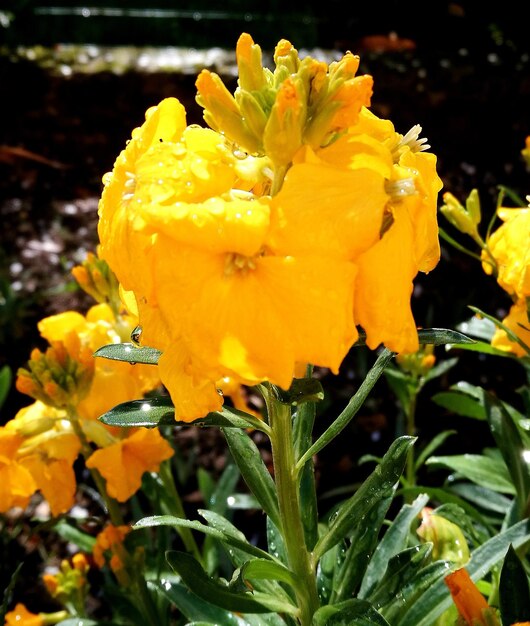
(300, 559)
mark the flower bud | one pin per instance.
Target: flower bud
(463, 219)
(447, 538)
(95, 277)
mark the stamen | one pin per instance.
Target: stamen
(401, 188)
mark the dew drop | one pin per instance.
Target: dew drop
(136, 335)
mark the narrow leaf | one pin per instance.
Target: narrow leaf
(130, 353)
(219, 594)
(460, 404)
(255, 473)
(440, 336)
(514, 592)
(226, 537)
(394, 540)
(352, 612)
(377, 486)
(483, 470)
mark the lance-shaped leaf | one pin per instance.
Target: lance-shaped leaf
(130, 353)
(353, 612)
(376, 487)
(486, 471)
(220, 594)
(254, 471)
(514, 592)
(160, 411)
(440, 336)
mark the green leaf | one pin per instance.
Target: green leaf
(439, 369)
(302, 390)
(440, 336)
(362, 544)
(352, 612)
(83, 541)
(421, 582)
(435, 600)
(255, 473)
(232, 539)
(514, 592)
(483, 470)
(8, 591)
(6, 378)
(149, 413)
(513, 450)
(193, 606)
(160, 411)
(130, 353)
(401, 568)
(483, 497)
(268, 570)
(377, 486)
(460, 404)
(394, 541)
(484, 348)
(219, 594)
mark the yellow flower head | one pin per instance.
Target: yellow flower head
(123, 463)
(96, 278)
(255, 234)
(269, 104)
(510, 247)
(60, 376)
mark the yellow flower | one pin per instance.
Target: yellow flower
(471, 604)
(123, 463)
(109, 542)
(407, 246)
(510, 247)
(20, 616)
(16, 482)
(517, 321)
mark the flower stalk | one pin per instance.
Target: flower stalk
(283, 455)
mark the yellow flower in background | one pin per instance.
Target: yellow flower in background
(16, 482)
(518, 322)
(21, 616)
(123, 463)
(510, 247)
(109, 544)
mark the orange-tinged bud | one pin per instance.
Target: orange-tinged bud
(249, 64)
(471, 604)
(96, 278)
(51, 583)
(80, 562)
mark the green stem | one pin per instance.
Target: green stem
(410, 469)
(112, 506)
(176, 508)
(283, 456)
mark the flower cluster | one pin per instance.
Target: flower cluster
(71, 389)
(263, 242)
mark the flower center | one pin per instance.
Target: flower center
(240, 263)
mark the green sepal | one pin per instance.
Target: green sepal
(219, 594)
(352, 612)
(129, 353)
(377, 486)
(302, 390)
(514, 591)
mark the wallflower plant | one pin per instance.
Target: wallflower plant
(236, 259)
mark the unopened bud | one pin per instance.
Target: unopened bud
(459, 216)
